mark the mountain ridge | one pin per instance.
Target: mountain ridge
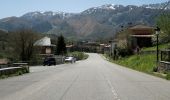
(99, 22)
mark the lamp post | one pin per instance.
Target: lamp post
(157, 30)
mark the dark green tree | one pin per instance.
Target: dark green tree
(61, 46)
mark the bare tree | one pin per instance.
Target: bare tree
(22, 43)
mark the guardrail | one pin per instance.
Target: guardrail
(14, 70)
(20, 64)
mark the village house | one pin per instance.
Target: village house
(87, 46)
(45, 47)
(132, 39)
(141, 36)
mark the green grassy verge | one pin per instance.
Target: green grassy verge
(143, 63)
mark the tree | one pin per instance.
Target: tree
(61, 46)
(163, 22)
(22, 43)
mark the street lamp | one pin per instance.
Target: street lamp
(157, 31)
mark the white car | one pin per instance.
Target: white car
(70, 59)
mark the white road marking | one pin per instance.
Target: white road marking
(113, 90)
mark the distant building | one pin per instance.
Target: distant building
(107, 49)
(44, 46)
(141, 36)
(70, 48)
(92, 47)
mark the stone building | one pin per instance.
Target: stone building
(141, 36)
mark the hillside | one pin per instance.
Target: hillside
(99, 22)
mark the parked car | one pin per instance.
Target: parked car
(49, 61)
(70, 59)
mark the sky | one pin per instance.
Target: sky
(17, 8)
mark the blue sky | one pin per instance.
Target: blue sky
(19, 7)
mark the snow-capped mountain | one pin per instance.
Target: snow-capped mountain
(107, 7)
(99, 22)
(46, 15)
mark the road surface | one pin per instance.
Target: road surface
(91, 79)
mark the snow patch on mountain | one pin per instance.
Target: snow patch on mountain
(103, 7)
(47, 14)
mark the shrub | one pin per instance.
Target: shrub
(3, 76)
(124, 52)
(19, 73)
(155, 69)
(168, 76)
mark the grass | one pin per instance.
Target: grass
(143, 62)
(168, 75)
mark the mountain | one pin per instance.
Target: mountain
(94, 23)
(157, 6)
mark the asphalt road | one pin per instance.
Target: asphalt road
(91, 79)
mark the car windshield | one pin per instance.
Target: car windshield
(85, 50)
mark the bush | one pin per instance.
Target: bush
(155, 69)
(19, 73)
(124, 52)
(3, 76)
(168, 76)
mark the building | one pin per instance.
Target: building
(44, 46)
(141, 36)
(70, 48)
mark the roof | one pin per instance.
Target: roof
(102, 44)
(107, 46)
(141, 27)
(142, 35)
(69, 46)
(46, 41)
